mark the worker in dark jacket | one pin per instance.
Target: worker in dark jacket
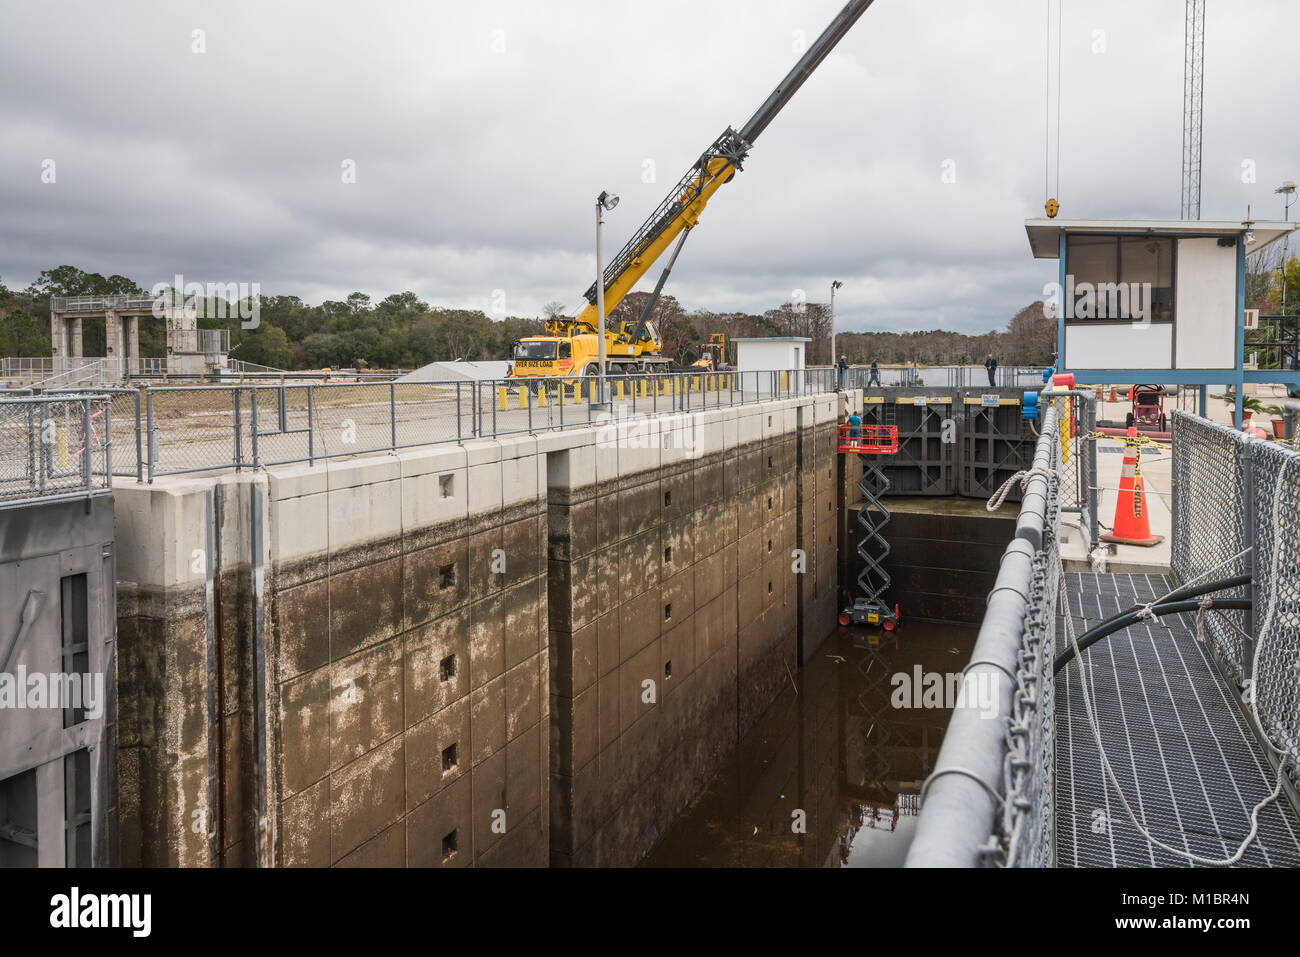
(843, 366)
(875, 374)
(991, 366)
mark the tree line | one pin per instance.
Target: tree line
(402, 331)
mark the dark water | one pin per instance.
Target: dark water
(832, 754)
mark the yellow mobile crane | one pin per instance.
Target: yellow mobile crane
(570, 346)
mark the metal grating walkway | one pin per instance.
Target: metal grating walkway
(1190, 767)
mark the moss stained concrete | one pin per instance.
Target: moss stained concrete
(445, 633)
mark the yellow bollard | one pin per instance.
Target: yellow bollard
(541, 394)
(785, 381)
(618, 389)
(523, 397)
(577, 392)
(61, 448)
(502, 402)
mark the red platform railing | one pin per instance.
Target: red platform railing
(868, 439)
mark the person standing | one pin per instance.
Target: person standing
(843, 366)
(875, 373)
(854, 422)
(991, 366)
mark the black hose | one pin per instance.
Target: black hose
(1183, 599)
(1194, 591)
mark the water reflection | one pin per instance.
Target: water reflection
(830, 776)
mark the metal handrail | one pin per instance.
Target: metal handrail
(962, 795)
(481, 409)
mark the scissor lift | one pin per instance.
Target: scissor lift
(869, 442)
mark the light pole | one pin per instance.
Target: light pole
(606, 200)
(835, 356)
(1287, 189)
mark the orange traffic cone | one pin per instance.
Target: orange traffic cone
(1131, 524)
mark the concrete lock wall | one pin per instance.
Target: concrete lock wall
(676, 608)
(400, 659)
(185, 626)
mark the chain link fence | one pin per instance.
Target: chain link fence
(1209, 522)
(1077, 451)
(1276, 477)
(54, 447)
(201, 428)
(1025, 835)
(1233, 493)
(126, 407)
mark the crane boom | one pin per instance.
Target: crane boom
(573, 346)
(716, 166)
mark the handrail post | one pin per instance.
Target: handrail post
(108, 443)
(33, 461)
(392, 415)
(311, 427)
(139, 460)
(257, 460)
(85, 445)
(153, 439)
(1249, 537)
(239, 438)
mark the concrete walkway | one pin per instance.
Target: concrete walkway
(1157, 465)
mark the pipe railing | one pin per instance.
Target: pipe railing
(202, 428)
(963, 796)
(56, 447)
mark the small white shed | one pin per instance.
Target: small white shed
(775, 352)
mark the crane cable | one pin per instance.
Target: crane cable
(1048, 195)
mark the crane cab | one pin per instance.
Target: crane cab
(571, 349)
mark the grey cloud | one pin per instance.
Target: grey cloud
(477, 164)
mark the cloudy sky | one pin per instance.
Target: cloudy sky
(481, 132)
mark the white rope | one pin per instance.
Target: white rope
(1023, 477)
(1110, 773)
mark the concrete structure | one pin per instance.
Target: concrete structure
(57, 761)
(440, 657)
(190, 350)
(775, 352)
